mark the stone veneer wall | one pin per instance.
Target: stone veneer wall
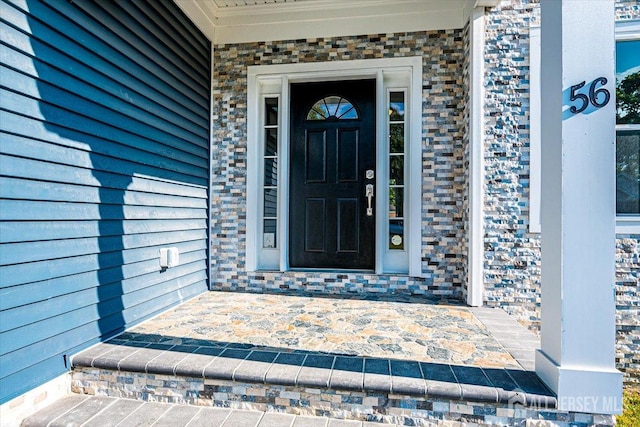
(512, 254)
(443, 237)
(388, 408)
(628, 306)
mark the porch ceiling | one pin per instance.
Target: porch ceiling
(237, 21)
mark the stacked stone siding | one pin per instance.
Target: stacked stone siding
(443, 237)
(512, 254)
(627, 10)
(628, 306)
(388, 408)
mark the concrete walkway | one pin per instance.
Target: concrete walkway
(86, 411)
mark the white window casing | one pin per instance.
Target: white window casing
(272, 81)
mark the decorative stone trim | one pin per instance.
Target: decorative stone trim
(395, 408)
(244, 363)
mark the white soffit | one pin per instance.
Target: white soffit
(239, 21)
(233, 3)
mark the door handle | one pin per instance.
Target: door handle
(369, 195)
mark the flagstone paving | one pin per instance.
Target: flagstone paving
(409, 328)
(257, 352)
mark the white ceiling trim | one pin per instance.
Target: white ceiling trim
(312, 6)
(345, 10)
(232, 3)
(200, 16)
(285, 20)
(332, 26)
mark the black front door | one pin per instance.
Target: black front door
(331, 215)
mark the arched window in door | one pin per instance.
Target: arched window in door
(333, 107)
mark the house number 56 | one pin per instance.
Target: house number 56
(598, 96)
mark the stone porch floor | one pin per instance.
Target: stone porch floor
(363, 358)
(408, 328)
(407, 345)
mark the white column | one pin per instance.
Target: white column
(577, 359)
(475, 277)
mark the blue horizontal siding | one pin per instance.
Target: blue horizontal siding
(88, 168)
(57, 344)
(74, 274)
(104, 276)
(163, 62)
(78, 90)
(22, 189)
(12, 232)
(184, 30)
(147, 114)
(104, 123)
(70, 28)
(26, 210)
(14, 319)
(71, 342)
(15, 253)
(144, 32)
(59, 118)
(119, 178)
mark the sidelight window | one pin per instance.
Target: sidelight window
(270, 183)
(396, 169)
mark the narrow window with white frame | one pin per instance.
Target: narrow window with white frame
(270, 183)
(397, 137)
(628, 127)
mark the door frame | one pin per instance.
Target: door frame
(273, 81)
(333, 192)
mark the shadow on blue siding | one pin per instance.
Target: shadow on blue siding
(110, 306)
(126, 127)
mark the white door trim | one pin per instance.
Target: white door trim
(475, 276)
(274, 80)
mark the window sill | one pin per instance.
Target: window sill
(624, 225)
(628, 224)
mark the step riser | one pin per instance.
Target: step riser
(344, 404)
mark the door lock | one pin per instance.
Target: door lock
(369, 174)
(369, 195)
